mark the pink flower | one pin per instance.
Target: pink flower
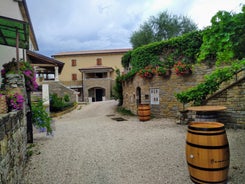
(16, 101)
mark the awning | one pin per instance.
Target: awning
(8, 32)
(95, 69)
(44, 62)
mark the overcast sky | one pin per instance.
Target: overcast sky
(74, 25)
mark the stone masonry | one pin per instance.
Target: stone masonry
(234, 99)
(61, 90)
(13, 136)
(169, 107)
(13, 142)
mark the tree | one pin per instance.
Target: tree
(224, 41)
(163, 27)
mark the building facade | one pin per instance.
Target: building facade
(91, 73)
(16, 10)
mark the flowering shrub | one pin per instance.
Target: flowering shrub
(3, 73)
(40, 117)
(182, 68)
(30, 77)
(26, 69)
(147, 72)
(15, 101)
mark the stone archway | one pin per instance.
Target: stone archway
(96, 93)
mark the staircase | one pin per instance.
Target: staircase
(231, 95)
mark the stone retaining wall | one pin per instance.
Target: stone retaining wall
(13, 135)
(13, 143)
(168, 86)
(168, 106)
(234, 99)
(61, 90)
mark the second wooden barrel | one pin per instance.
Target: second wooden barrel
(144, 112)
(207, 152)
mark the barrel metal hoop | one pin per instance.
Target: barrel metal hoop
(195, 180)
(207, 147)
(205, 129)
(208, 134)
(208, 169)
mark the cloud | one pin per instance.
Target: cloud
(202, 12)
(73, 25)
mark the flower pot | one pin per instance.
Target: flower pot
(185, 73)
(167, 74)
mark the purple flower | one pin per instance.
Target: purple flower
(3, 72)
(16, 101)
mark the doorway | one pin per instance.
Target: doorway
(99, 93)
(138, 96)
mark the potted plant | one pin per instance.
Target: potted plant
(160, 71)
(182, 69)
(148, 72)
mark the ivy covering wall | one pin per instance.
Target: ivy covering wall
(222, 42)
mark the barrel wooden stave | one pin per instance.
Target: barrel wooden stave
(207, 152)
(144, 113)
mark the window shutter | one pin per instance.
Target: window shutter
(99, 61)
(74, 76)
(73, 62)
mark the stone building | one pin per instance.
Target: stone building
(159, 93)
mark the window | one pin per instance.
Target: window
(73, 62)
(99, 61)
(74, 76)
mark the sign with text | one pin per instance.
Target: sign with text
(154, 95)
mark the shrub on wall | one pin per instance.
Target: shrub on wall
(166, 53)
(24, 68)
(125, 61)
(212, 82)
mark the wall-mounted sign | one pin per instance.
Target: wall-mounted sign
(154, 95)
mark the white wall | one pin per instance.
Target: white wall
(9, 8)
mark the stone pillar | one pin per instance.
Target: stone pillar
(56, 75)
(45, 97)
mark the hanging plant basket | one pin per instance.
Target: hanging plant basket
(182, 69)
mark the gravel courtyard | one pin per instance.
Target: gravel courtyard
(89, 147)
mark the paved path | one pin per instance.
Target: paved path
(89, 147)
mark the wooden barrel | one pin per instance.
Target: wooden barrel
(207, 152)
(206, 117)
(144, 112)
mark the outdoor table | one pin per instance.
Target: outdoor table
(206, 113)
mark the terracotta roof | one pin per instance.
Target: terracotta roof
(41, 59)
(92, 52)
